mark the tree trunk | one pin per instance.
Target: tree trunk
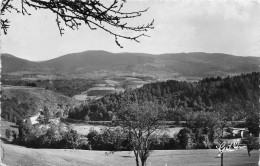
(136, 158)
(143, 162)
(137, 161)
(222, 159)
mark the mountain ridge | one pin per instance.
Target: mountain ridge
(100, 62)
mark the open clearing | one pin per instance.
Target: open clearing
(84, 129)
(17, 155)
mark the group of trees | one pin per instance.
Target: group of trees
(13, 111)
(232, 98)
(46, 136)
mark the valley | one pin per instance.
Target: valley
(61, 109)
(129, 83)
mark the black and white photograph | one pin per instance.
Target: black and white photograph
(130, 82)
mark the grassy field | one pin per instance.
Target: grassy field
(16, 155)
(85, 128)
(13, 155)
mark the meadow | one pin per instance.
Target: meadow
(18, 155)
(12, 155)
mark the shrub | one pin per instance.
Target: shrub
(32, 84)
(160, 142)
(58, 114)
(51, 138)
(185, 138)
(215, 144)
(8, 133)
(108, 139)
(203, 142)
(84, 144)
(24, 133)
(252, 123)
(92, 138)
(71, 139)
(47, 136)
(15, 135)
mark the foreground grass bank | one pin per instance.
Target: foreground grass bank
(17, 155)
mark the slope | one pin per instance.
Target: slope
(17, 155)
(20, 102)
(11, 63)
(89, 61)
(205, 64)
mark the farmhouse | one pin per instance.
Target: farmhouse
(34, 119)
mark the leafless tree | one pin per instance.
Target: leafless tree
(93, 13)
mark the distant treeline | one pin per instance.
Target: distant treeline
(233, 98)
(67, 87)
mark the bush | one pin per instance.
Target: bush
(108, 139)
(203, 142)
(47, 136)
(185, 138)
(71, 139)
(8, 133)
(252, 123)
(160, 142)
(92, 138)
(83, 144)
(51, 137)
(32, 84)
(24, 133)
(15, 135)
(215, 144)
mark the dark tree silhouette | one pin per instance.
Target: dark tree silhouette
(95, 14)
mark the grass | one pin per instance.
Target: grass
(17, 155)
(84, 129)
(12, 155)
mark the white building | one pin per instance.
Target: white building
(33, 119)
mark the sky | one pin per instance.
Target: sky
(212, 26)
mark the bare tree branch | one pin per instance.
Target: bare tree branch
(96, 15)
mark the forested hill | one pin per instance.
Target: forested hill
(96, 64)
(20, 102)
(233, 97)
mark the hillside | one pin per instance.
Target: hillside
(90, 61)
(67, 87)
(204, 64)
(11, 64)
(19, 102)
(234, 98)
(180, 66)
